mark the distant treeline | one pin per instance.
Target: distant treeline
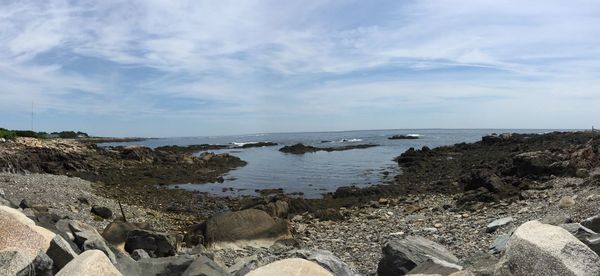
(12, 134)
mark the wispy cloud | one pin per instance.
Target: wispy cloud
(280, 59)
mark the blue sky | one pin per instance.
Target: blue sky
(185, 68)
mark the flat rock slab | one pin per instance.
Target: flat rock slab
(401, 256)
(90, 263)
(497, 224)
(293, 266)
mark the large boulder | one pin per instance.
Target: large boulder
(18, 231)
(154, 243)
(401, 256)
(246, 227)
(292, 266)
(90, 263)
(88, 238)
(541, 249)
(60, 252)
(115, 233)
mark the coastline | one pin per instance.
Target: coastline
(447, 194)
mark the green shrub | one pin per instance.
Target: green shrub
(7, 134)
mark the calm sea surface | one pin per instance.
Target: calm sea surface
(320, 172)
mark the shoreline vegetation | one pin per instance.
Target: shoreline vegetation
(483, 208)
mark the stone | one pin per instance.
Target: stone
(194, 234)
(292, 266)
(7, 203)
(102, 212)
(87, 238)
(125, 264)
(592, 223)
(60, 252)
(154, 243)
(401, 256)
(18, 231)
(278, 209)
(116, 232)
(248, 227)
(585, 235)
(496, 224)
(139, 254)
(566, 202)
(582, 173)
(90, 263)
(499, 244)
(203, 266)
(434, 266)
(41, 266)
(541, 249)
(327, 260)
(556, 218)
(174, 265)
(24, 204)
(244, 265)
(12, 261)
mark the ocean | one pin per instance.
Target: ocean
(313, 174)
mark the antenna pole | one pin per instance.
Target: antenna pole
(31, 115)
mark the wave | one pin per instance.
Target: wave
(351, 140)
(241, 144)
(413, 135)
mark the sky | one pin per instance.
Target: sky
(193, 68)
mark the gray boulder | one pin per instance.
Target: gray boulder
(585, 235)
(327, 260)
(541, 249)
(154, 243)
(401, 256)
(87, 238)
(203, 266)
(60, 252)
(41, 266)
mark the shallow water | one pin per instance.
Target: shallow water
(316, 173)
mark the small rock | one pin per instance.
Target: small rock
(496, 224)
(499, 244)
(24, 204)
(102, 212)
(566, 202)
(139, 254)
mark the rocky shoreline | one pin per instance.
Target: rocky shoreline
(501, 206)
